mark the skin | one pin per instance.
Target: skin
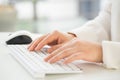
(54, 39)
(68, 47)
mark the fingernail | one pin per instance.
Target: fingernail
(48, 51)
(29, 49)
(45, 60)
(50, 61)
(28, 46)
(64, 62)
(36, 49)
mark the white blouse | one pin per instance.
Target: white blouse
(99, 30)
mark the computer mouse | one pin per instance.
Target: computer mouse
(19, 37)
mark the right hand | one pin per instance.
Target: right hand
(54, 39)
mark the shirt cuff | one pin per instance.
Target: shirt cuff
(111, 54)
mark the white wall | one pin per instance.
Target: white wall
(103, 2)
(58, 9)
(52, 9)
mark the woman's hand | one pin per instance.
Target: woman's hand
(76, 50)
(54, 39)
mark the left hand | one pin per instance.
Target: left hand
(76, 50)
(54, 39)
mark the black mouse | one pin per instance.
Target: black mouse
(19, 37)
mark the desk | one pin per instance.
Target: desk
(11, 70)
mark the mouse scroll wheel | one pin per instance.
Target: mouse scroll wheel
(9, 34)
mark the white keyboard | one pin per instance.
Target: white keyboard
(34, 62)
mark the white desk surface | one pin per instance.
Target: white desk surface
(11, 70)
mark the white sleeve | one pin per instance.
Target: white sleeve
(98, 29)
(111, 54)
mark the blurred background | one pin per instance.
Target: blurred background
(43, 16)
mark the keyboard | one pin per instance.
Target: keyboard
(34, 62)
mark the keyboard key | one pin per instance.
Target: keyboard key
(34, 62)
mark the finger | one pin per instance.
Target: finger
(77, 56)
(53, 48)
(50, 38)
(63, 54)
(64, 46)
(33, 45)
(68, 45)
(49, 56)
